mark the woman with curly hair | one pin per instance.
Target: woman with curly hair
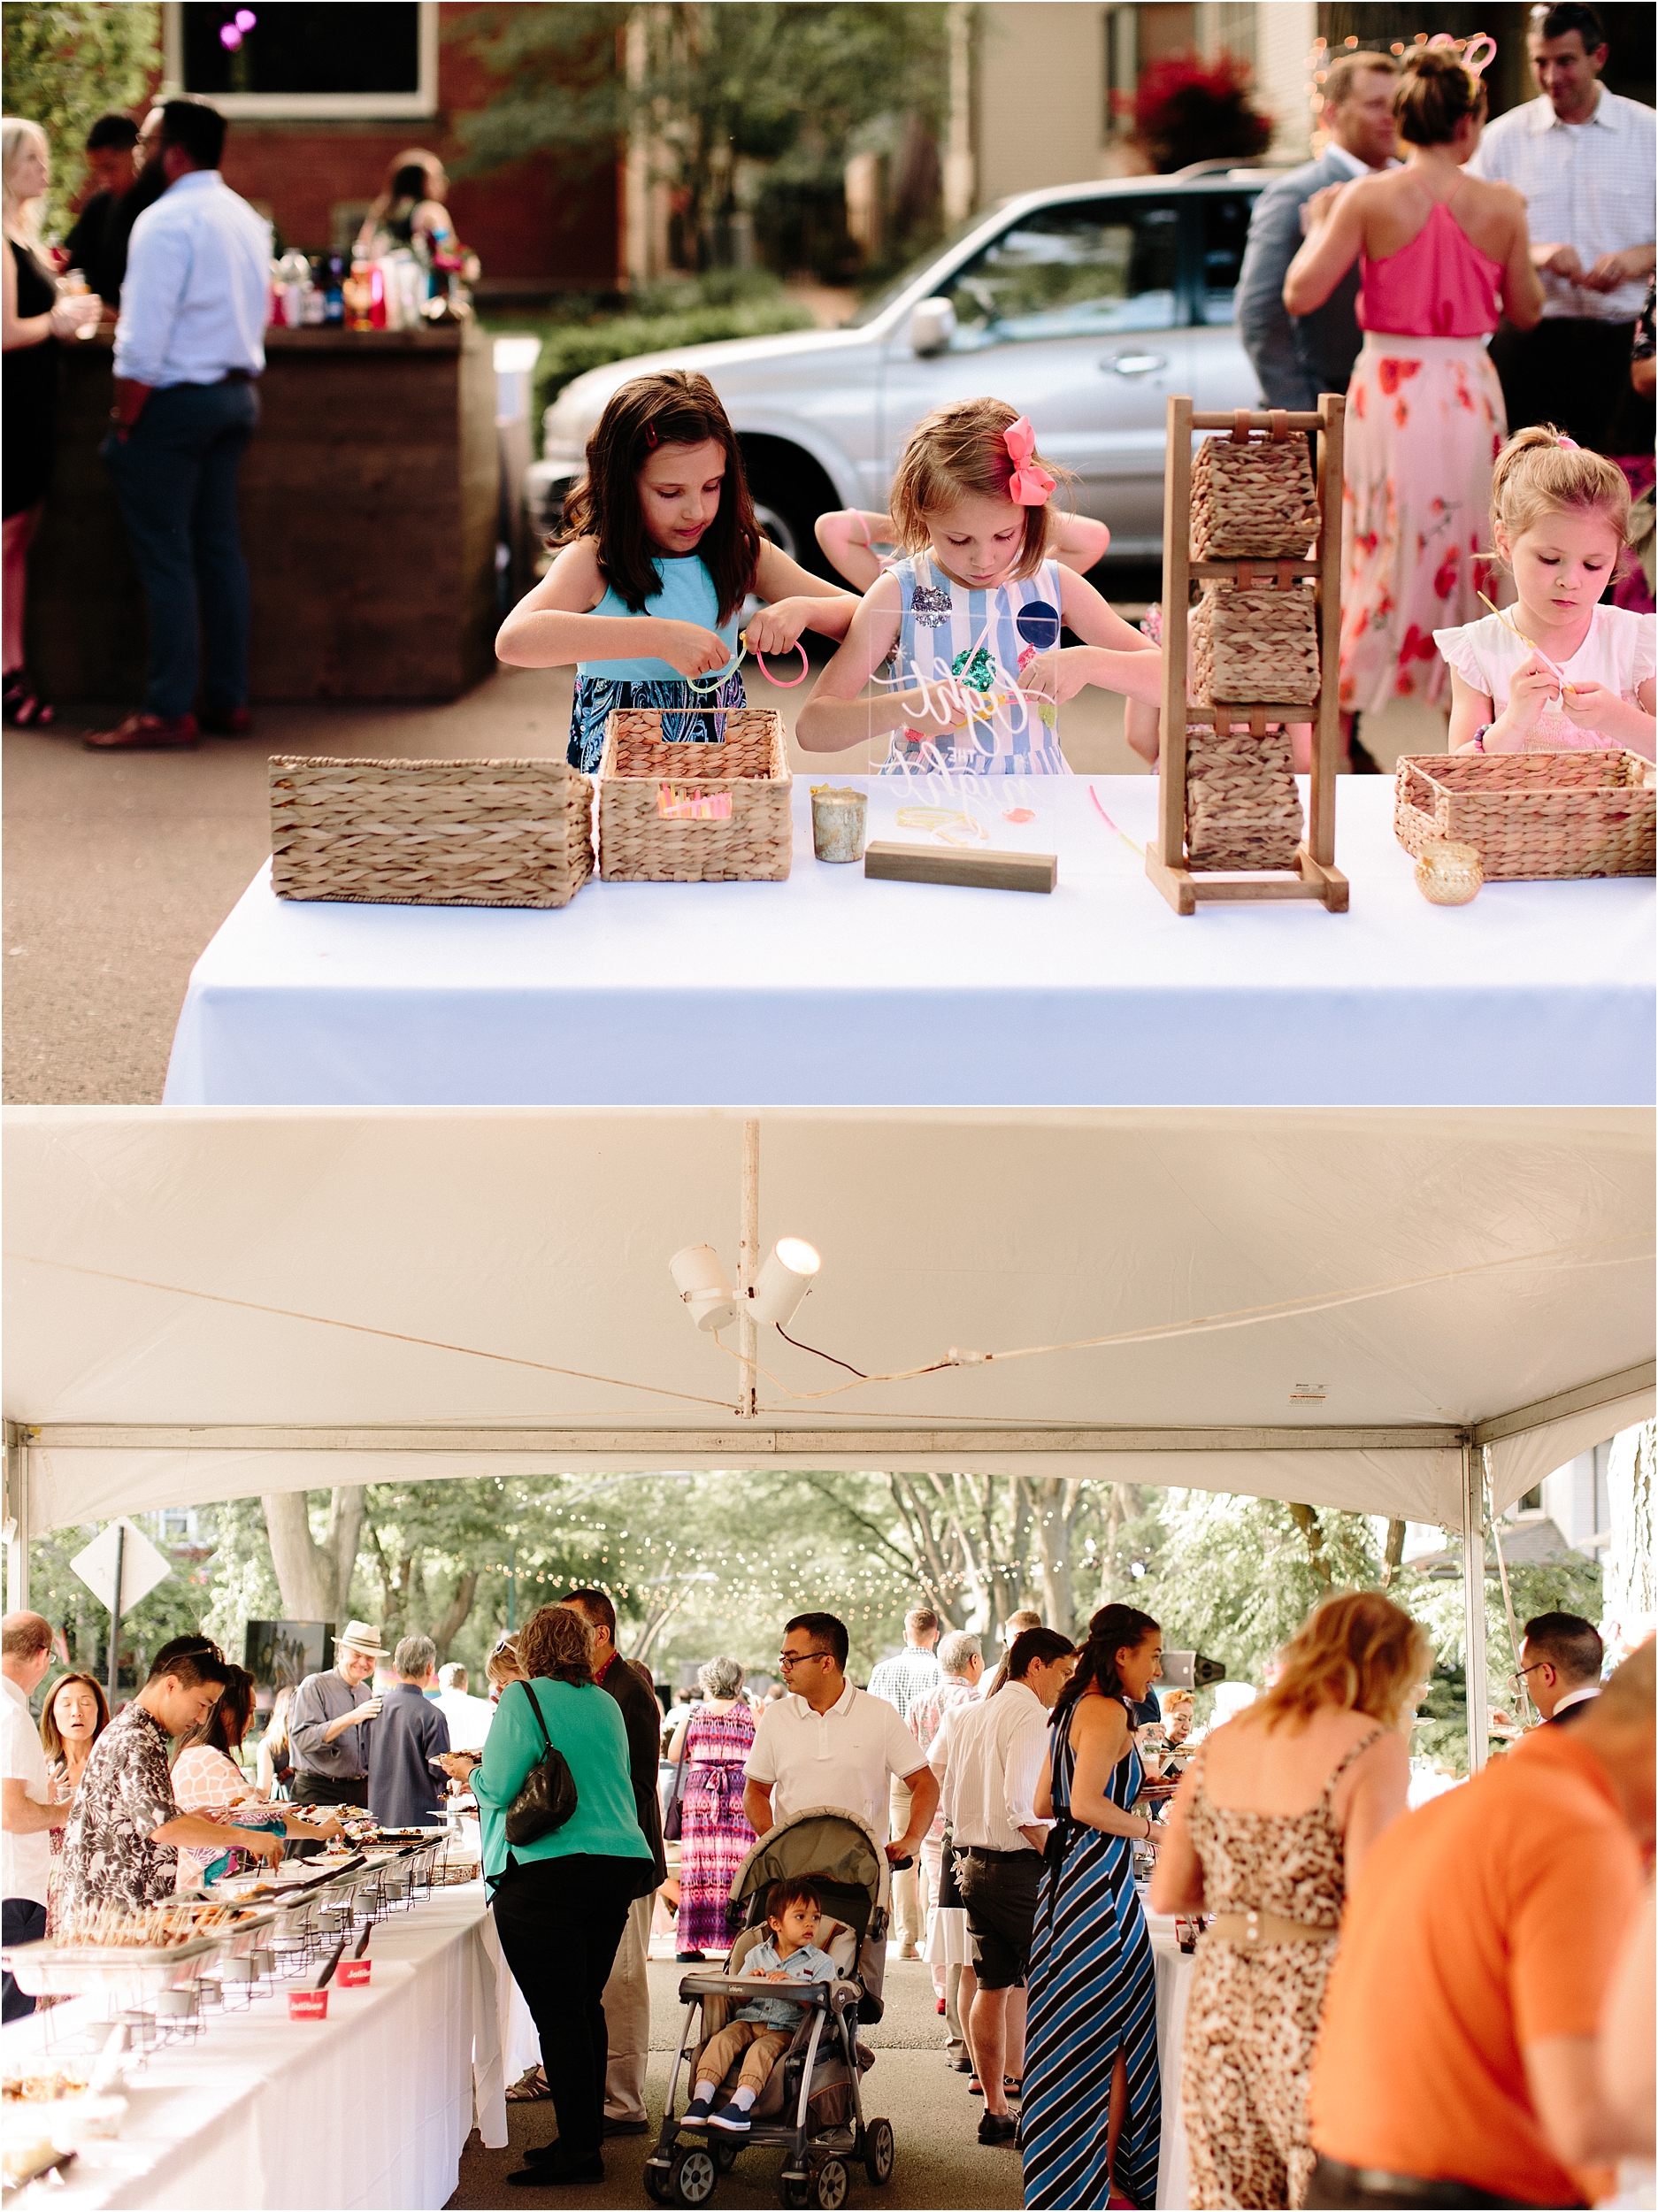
(1268, 1831)
(561, 1902)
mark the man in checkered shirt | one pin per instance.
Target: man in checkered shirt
(912, 1674)
(1583, 158)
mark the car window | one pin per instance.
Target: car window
(1225, 227)
(1089, 268)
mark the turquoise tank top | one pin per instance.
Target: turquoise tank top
(687, 595)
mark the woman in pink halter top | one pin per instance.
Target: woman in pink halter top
(1444, 256)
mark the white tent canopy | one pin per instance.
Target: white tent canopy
(203, 1306)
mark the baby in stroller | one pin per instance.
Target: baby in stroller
(770, 2045)
(764, 2028)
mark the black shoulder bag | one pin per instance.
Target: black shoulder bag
(546, 1796)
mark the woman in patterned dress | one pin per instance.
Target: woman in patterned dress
(207, 1780)
(1092, 2098)
(1266, 1832)
(715, 1837)
(75, 1715)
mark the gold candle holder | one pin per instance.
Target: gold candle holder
(839, 819)
(1449, 875)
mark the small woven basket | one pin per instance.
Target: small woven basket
(1532, 815)
(1243, 809)
(430, 833)
(676, 812)
(1254, 498)
(1256, 645)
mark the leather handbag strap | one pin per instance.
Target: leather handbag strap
(535, 1706)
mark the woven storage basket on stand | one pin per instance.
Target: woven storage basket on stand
(1255, 498)
(676, 812)
(430, 833)
(1248, 644)
(1243, 809)
(1532, 815)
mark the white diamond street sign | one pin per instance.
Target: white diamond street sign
(143, 1566)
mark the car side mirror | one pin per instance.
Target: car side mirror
(932, 326)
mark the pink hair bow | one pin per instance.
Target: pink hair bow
(1030, 484)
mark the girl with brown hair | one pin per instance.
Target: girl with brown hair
(1266, 1832)
(969, 618)
(659, 549)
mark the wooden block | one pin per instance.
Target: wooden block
(886, 863)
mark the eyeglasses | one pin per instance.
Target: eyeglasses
(787, 1659)
(1518, 1677)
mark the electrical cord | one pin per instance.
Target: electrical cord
(815, 1354)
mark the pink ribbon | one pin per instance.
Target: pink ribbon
(1030, 484)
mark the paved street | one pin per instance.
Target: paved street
(117, 871)
(940, 2161)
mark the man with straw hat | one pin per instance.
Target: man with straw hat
(325, 1729)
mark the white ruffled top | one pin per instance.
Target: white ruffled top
(1620, 651)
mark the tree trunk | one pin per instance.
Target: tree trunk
(314, 1578)
(1392, 1558)
(449, 1627)
(1631, 1481)
(1114, 1515)
(1021, 1547)
(1057, 1508)
(1306, 1521)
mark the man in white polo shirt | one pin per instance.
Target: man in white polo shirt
(827, 1743)
(26, 1652)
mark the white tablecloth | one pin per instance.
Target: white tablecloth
(1174, 1987)
(830, 989)
(370, 2107)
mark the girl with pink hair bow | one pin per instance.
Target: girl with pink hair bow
(961, 634)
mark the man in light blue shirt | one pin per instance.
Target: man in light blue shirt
(188, 345)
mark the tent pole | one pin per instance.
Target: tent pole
(16, 1513)
(748, 1263)
(1474, 1608)
(115, 1610)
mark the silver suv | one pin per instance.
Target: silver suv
(1083, 306)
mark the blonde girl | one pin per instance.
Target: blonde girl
(970, 618)
(1561, 671)
(659, 550)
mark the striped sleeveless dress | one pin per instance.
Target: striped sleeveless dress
(982, 640)
(1093, 1993)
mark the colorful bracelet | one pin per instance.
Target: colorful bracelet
(1480, 735)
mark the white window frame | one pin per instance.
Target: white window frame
(292, 106)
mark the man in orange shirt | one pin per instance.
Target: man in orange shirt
(1457, 2060)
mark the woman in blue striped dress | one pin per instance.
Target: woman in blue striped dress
(1092, 2107)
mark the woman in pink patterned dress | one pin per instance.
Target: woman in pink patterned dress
(715, 1837)
(1445, 256)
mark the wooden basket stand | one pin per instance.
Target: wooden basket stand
(430, 833)
(683, 812)
(1230, 825)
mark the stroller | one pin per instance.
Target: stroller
(811, 2108)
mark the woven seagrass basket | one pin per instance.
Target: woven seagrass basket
(430, 833)
(676, 812)
(1256, 645)
(1532, 815)
(1243, 807)
(1255, 499)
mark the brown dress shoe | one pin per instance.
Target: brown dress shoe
(143, 733)
(225, 722)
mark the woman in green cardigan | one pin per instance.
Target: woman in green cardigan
(561, 1903)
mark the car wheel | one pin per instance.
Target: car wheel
(789, 492)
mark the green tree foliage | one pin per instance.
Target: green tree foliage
(705, 89)
(1235, 1578)
(175, 1608)
(65, 63)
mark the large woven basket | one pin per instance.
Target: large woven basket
(1254, 498)
(1256, 645)
(1532, 815)
(430, 833)
(1243, 808)
(677, 812)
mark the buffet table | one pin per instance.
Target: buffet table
(831, 989)
(1174, 1988)
(370, 2107)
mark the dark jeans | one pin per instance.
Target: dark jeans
(560, 1922)
(175, 477)
(1574, 372)
(21, 1921)
(328, 1789)
(1337, 2185)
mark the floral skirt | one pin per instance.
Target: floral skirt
(597, 697)
(1424, 422)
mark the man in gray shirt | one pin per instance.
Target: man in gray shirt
(325, 1727)
(1297, 357)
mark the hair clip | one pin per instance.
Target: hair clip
(650, 435)
(1030, 485)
